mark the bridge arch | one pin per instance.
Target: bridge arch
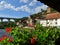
(5, 20)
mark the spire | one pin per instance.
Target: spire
(48, 10)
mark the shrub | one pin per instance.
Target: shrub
(41, 35)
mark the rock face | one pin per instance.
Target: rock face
(52, 3)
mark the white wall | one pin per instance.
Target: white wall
(50, 22)
(58, 22)
(43, 22)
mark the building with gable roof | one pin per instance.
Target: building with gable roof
(51, 19)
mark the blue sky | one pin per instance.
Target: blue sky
(20, 8)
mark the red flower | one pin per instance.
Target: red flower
(10, 39)
(32, 40)
(4, 36)
(29, 25)
(1, 39)
(8, 29)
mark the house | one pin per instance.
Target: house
(51, 19)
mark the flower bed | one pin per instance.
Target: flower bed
(39, 36)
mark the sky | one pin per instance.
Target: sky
(20, 8)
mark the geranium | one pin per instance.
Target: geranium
(10, 39)
(32, 40)
(8, 29)
(4, 37)
(1, 39)
(30, 25)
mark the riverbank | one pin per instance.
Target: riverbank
(2, 28)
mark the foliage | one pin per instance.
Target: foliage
(7, 24)
(53, 10)
(24, 18)
(42, 35)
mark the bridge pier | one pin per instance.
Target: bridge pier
(8, 20)
(16, 20)
(1, 20)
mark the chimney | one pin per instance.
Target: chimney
(48, 10)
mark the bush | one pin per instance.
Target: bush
(42, 35)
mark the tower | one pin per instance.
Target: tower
(30, 20)
(48, 10)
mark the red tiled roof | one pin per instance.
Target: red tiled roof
(53, 16)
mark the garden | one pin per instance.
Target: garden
(24, 36)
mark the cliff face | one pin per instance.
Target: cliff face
(52, 3)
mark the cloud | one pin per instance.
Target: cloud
(38, 9)
(24, 1)
(34, 0)
(33, 3)
(4, 5)
(3, 15)
(44, 7)
(9, 16)
(25, 8)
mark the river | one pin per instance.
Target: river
(2, 32)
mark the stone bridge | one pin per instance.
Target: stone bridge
(2, 18)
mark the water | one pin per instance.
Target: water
(2, 32)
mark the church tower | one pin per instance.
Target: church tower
(48, 10)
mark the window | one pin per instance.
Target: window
(56, 19)
(47, 22)
(55, 22)
(50, 23)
